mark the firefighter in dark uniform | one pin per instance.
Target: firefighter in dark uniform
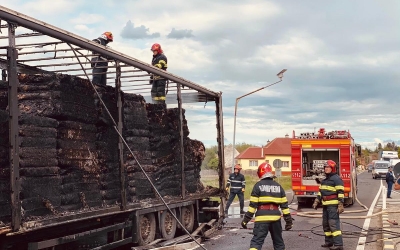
(158, 83)
(266, 198)
(99, 63)
(331, 194)
(237, 183)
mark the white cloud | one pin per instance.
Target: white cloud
(81, 27)
(87, 18)
(50, 7)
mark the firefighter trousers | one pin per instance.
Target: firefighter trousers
(331, 225)
(232, 197)
(99, 71)
(260, 232)
(158, 91)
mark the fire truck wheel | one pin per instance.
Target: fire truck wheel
(188, 217)
(168, 224)
(147, 229)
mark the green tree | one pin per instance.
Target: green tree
(211, 152)
(243, 146)
(213, 164)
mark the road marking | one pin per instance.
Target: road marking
(362, 240)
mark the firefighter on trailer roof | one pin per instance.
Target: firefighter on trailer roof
(266, 198)
(158, 83)
(331, 194)
(237, 183)
(99, 63)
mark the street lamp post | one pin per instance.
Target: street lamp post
(280, 75)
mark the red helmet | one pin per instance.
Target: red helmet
(156, 47)
(238, 167)
(264, 170)
(331, 164)
(107, 36)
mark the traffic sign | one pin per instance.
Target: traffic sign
(277, 164)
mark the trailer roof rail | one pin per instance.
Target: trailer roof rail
(46, 49)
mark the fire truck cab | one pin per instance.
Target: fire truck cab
(309, 153)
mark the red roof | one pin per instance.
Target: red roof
(278, 146)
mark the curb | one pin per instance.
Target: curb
(387, 243)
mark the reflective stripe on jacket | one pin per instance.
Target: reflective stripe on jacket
(236, 182)
(160, 61)
(333, 188)
(266, 192)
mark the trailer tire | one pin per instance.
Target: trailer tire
(147, 228)
(188, 218)
(168, 224)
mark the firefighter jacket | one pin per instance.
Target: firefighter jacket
(236, 182)
(266, 198)
(103, 42)
(159, 61)
(331, 190)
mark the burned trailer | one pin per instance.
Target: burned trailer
(88, 166)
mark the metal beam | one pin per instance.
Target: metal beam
(47, 29)
(77, 236)
(221, 157)
(120, 142)
(12, 55)
(23, 68)
(181, 140)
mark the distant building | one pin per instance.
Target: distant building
(279, 148)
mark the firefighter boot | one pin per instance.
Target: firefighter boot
(336, 248)
(242, 211)
(327, 245)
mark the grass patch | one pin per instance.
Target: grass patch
(285, 181)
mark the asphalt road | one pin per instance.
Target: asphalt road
(307, 232)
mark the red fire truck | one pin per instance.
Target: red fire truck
(309, 153)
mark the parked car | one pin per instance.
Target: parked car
(369, 168)
(380, 169)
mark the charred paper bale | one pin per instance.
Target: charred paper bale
(65, 99)
(77, 185)
(5, 198)
(3, 95)
(173, 122)
(39, 191)
(109, 98)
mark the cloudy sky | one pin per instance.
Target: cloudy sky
(342, 58)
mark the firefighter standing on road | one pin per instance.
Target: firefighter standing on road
(331, 194)
(158, 83)
(237, 183)
(99, 63)
(266, 198)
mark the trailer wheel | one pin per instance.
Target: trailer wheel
(147, 229)
(168, 224)
(188, 218)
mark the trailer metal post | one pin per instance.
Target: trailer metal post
(179, 98)
(120, 142)
(221, 157)
(12, 55)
